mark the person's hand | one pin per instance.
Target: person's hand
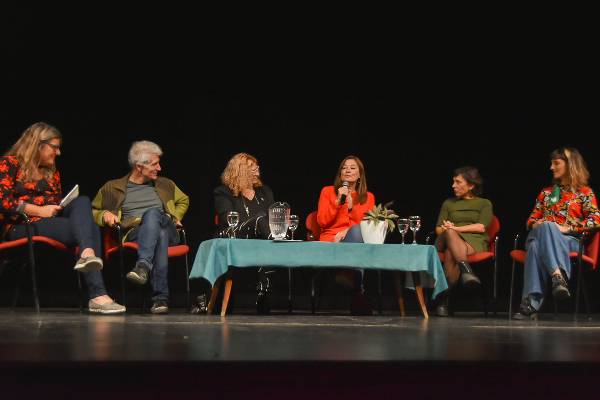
(537, 223)
(343, 190)
(447, 225)
(564, 228)
(178, 224)
(48, 211)
(110, 219)
(340, 235)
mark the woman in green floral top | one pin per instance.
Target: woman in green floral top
(561, 212)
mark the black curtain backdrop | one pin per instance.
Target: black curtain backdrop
(412, 107)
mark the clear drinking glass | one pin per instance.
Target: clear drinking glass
(233, 218)
(403, 227)
(293, 224)
(414, 223)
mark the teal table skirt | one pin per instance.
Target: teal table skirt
(215, 256)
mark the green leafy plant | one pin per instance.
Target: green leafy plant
(380, 213)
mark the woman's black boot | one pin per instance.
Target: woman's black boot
(467, 277)
(442, 306)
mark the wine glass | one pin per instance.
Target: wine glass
(414, 223)
(293, 224)
(403, 227)
(233, 218)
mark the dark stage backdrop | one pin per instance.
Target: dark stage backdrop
(412, 108)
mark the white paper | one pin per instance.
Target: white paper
(72, 195)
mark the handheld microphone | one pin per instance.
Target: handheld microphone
(343, 198)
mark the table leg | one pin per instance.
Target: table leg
(226, 294)
(399, 286)
(420, 296)
(213, 296)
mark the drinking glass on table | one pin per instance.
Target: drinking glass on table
(294, 220)
(233, 218)
(414, 223)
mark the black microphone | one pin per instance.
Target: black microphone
(343, 198)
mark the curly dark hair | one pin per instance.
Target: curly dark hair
(473, 177)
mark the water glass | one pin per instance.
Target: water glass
(402, 227)
(414, 223)
(233, 218)
(294, 220)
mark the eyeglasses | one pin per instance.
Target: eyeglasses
(55, 147)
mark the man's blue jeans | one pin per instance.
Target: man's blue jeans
(154, 236)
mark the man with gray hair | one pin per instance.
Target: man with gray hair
(149, 209)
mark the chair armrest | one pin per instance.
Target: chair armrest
(517, 238)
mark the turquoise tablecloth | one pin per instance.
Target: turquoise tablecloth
(215, 256)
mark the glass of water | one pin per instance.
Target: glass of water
(402, 227)
(294, 220)
(414, 223)
(233, 218)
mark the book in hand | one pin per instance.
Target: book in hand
(72, 195)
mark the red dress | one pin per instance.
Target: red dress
(333, 218)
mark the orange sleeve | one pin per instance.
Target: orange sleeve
(329, 212)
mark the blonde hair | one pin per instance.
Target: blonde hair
(237, 175)
(576, 168)
(27, 149)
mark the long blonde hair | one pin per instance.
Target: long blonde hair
(576, 168)
(237, 175)
(27, 149)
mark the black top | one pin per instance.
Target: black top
(225, 201)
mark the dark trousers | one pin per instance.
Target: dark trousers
(74, 226)
(154, 235)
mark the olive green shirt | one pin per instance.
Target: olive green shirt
(463, 212)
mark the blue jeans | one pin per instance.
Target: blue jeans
(547, 249)
(154, 235)
(74, 226)
(355, 236)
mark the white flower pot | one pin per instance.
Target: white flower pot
(373, 233)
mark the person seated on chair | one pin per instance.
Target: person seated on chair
(460, 230)
(30, 184)
(341, 208)
(149, 208)
(243, 191)
(562, 210)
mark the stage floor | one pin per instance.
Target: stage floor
(67, 336)
(295, 356)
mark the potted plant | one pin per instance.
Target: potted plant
(376, 223)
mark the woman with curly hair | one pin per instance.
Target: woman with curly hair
(243, 191)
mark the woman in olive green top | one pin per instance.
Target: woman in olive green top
(461, 229)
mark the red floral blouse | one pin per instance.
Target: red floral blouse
(14, 192)
(578, 210)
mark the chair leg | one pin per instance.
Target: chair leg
(578, 290)
(313, 305)
(226, 295)
(420, 296)
(399, 286)
(290, 300)
(80, 292)
(187, 283)
(586, 299)
(36, 300)
(512, 284)
(122, 272)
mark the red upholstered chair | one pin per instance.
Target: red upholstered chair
(313, 230)
(7, 249)
(586, 259)
(481, 257)
(113, 244)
